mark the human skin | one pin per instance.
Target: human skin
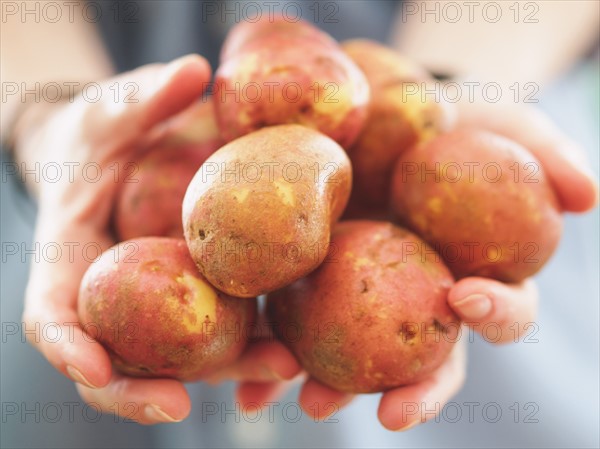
(108, 135)
(42, 136)
(480, 301)
(52, 288)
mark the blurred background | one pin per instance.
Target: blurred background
(543, 392)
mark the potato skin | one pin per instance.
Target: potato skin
(500, 221)
(152, 205)
(374, 315)
(398, 118)
(298, 75)
(149, 199)
(251, 34)
(157, 316)
(258, 230)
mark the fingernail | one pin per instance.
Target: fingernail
(76, 376)
(408, 427)
(155, 414)
(474, 306)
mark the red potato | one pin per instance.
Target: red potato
(250, 34)
(146, 303)
(152, 205)
(374, 315)
(149, 200)
(399, 116)
(298, 75)
(258, 213)
(483, 201)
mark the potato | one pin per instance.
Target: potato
(383, 65)
(149, 199)
(482, 200)
(146, 303)
(258, 213)
(285, 73)
(356, 210)
(250, 34)
(152, 205)
(399, 116)
(374, 315)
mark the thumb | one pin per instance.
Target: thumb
(144, 97)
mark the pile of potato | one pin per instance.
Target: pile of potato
(299, 134)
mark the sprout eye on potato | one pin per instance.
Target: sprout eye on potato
(145, 301)
(258, 213)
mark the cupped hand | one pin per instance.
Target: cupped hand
(510, 308)
(481, 302)
(98, 139)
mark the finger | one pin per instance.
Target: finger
(151, 94)
(196, 125)
(563, 160)
(486, 303)
(58, 336)
(262, 361)
(147, 401)
(260, 393)
(405, 407)
(50, 313)
(320, 401)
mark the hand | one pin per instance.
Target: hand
(476, 300)
(75, 212)
(481, 300)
